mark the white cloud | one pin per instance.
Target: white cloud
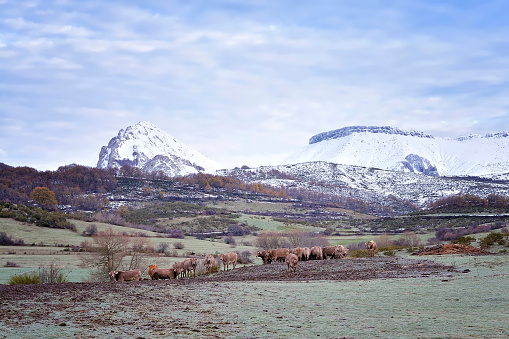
(244, 87)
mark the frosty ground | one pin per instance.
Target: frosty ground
(385, 297)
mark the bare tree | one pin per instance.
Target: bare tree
(113, 251)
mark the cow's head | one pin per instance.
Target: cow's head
(113, 275)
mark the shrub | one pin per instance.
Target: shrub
(174, 233)
(237, 230)
(178, 245)
(91, 230)
(464, 240)
(25, 278)
(162, 247)
(229, 240)
(358, 253)
(491, 239)
(11, 264)
(44, 275)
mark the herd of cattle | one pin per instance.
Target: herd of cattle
(291, 257)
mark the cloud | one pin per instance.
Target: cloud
(244, 83)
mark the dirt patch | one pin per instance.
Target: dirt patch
(451, 249)
(342, 269)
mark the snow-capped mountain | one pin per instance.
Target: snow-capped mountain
(409, 151)
(149, 148)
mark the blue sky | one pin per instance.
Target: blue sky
(244, 82)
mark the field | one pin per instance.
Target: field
(434, 301)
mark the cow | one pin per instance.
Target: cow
(298, 251)
(209, 262)
(279, 254)
(125, 275)
(342, 250)
(163, 273)
(190, 265)
(292, 260)
(265, 256)
(330, 251)
(178, 267)
(306, 252)
(316, 253)
(227, 259)
(371, 245)
(150, 269)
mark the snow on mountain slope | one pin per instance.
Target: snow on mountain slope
(149, 148)
(409, 151)
(374, 186)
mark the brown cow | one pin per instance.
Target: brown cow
(306, 252)
(298, 251)
(178, 267)
(227, 259)
(316, 253)
(371, 245)
(209, 262)
(279, 254)
(190, 265)
(292, 260)
(265, 256)
(330, 251)
(163, 273)
(125, 275)
(150, 269)
(342, 250)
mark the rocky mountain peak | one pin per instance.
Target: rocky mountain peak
(149, 148)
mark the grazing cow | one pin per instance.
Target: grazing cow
(279, 254)
(209, 262)
(178, 267)
(298, 251)
(330, 251)
(190, 265)
(265, 256)
(292, 260)
(371, 245)
(125, 275)
(163, 273)
(227, 259)
(342, 250)
(306, 252)
(150, 269)
(316, 253)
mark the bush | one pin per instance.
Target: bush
(25, 278)
(6, 240)
(44, 275)
(229, 240)
(174, 233)
(178, 245)
(162, 247)
(492, 238)
(11, 264)
(358, 253)
(91, 230)
(464, 240)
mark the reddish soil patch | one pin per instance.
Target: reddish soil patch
(451, 249)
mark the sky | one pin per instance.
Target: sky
(245, 82)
